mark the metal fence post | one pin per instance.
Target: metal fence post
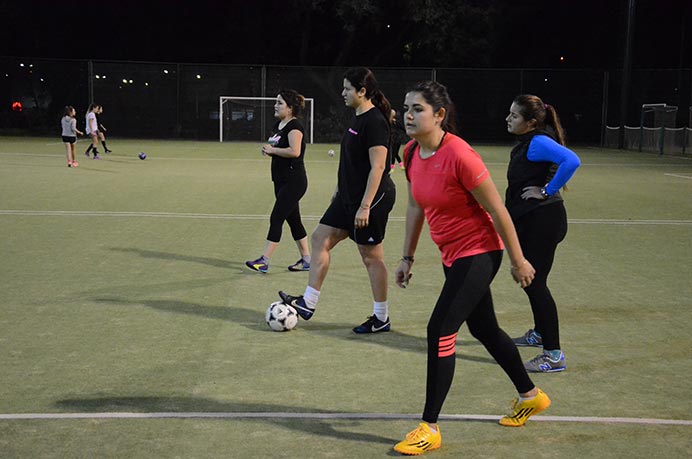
(90, 81)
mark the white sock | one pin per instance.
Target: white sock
(381, 310)
(311, 296)
(306, 258)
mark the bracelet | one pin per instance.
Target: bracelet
(522, 264)
(544, 193)
(407, 259)
(365, 207)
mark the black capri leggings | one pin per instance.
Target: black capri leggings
(466, 297)
(287, 208)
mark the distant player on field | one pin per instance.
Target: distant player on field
(68, 123)
(102, 131)
(92, 129)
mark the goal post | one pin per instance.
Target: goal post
(250, 118)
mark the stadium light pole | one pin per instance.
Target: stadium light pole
(626, 71)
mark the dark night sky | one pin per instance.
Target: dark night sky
(528, 33)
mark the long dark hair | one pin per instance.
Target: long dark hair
(436, 95)
(362, 77)
(532, 108)
(294, 101)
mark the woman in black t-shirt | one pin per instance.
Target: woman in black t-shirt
(364, 197)
(286, 147)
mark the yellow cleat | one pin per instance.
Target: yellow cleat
(419, 440)
(522, 411)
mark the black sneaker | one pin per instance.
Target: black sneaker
(373, 325)
(298, 303)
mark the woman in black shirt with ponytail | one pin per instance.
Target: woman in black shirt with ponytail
(286, 147)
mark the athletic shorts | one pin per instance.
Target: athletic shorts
(69, 139)
(342, 216)
(94, 133)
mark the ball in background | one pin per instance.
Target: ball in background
(142, 156)
(330, 152)
(281, 317)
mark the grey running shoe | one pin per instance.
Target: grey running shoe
(530, 338)
(542, 363)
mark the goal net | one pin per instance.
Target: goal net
(656, 131)
(655, 120)
(250, 119)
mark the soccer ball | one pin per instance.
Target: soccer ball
(330, 152)
(142, 156)
(281, 317)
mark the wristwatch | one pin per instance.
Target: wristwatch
(544, 193)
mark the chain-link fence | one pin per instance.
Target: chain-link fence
(175, 100)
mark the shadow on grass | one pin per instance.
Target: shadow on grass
(322, 427)
(225, 264)
(248, 318)
(254, 320)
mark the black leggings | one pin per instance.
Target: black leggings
(540, 231)
(287, 208)
(466, 297)
(394, 150)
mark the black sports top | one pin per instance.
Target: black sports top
(366, 130)
(283, 168)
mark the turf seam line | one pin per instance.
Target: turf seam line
(78, 213)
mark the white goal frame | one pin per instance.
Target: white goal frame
(310, 120)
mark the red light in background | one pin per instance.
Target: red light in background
(17, 106)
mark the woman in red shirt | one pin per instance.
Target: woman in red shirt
(450, 186)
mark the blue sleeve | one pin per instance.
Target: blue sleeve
(543, 148)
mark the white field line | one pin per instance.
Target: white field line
(688, 177)
(371, 416)
(80, 213)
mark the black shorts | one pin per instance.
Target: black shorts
(69, 139)
(342, 216)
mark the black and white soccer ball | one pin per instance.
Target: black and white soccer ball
(281, 317)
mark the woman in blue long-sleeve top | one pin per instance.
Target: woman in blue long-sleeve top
(539, 166)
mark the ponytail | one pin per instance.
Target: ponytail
(382, 103)
(553, 120)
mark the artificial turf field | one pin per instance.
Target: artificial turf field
(129, 326)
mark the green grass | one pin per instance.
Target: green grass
(124, 290)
